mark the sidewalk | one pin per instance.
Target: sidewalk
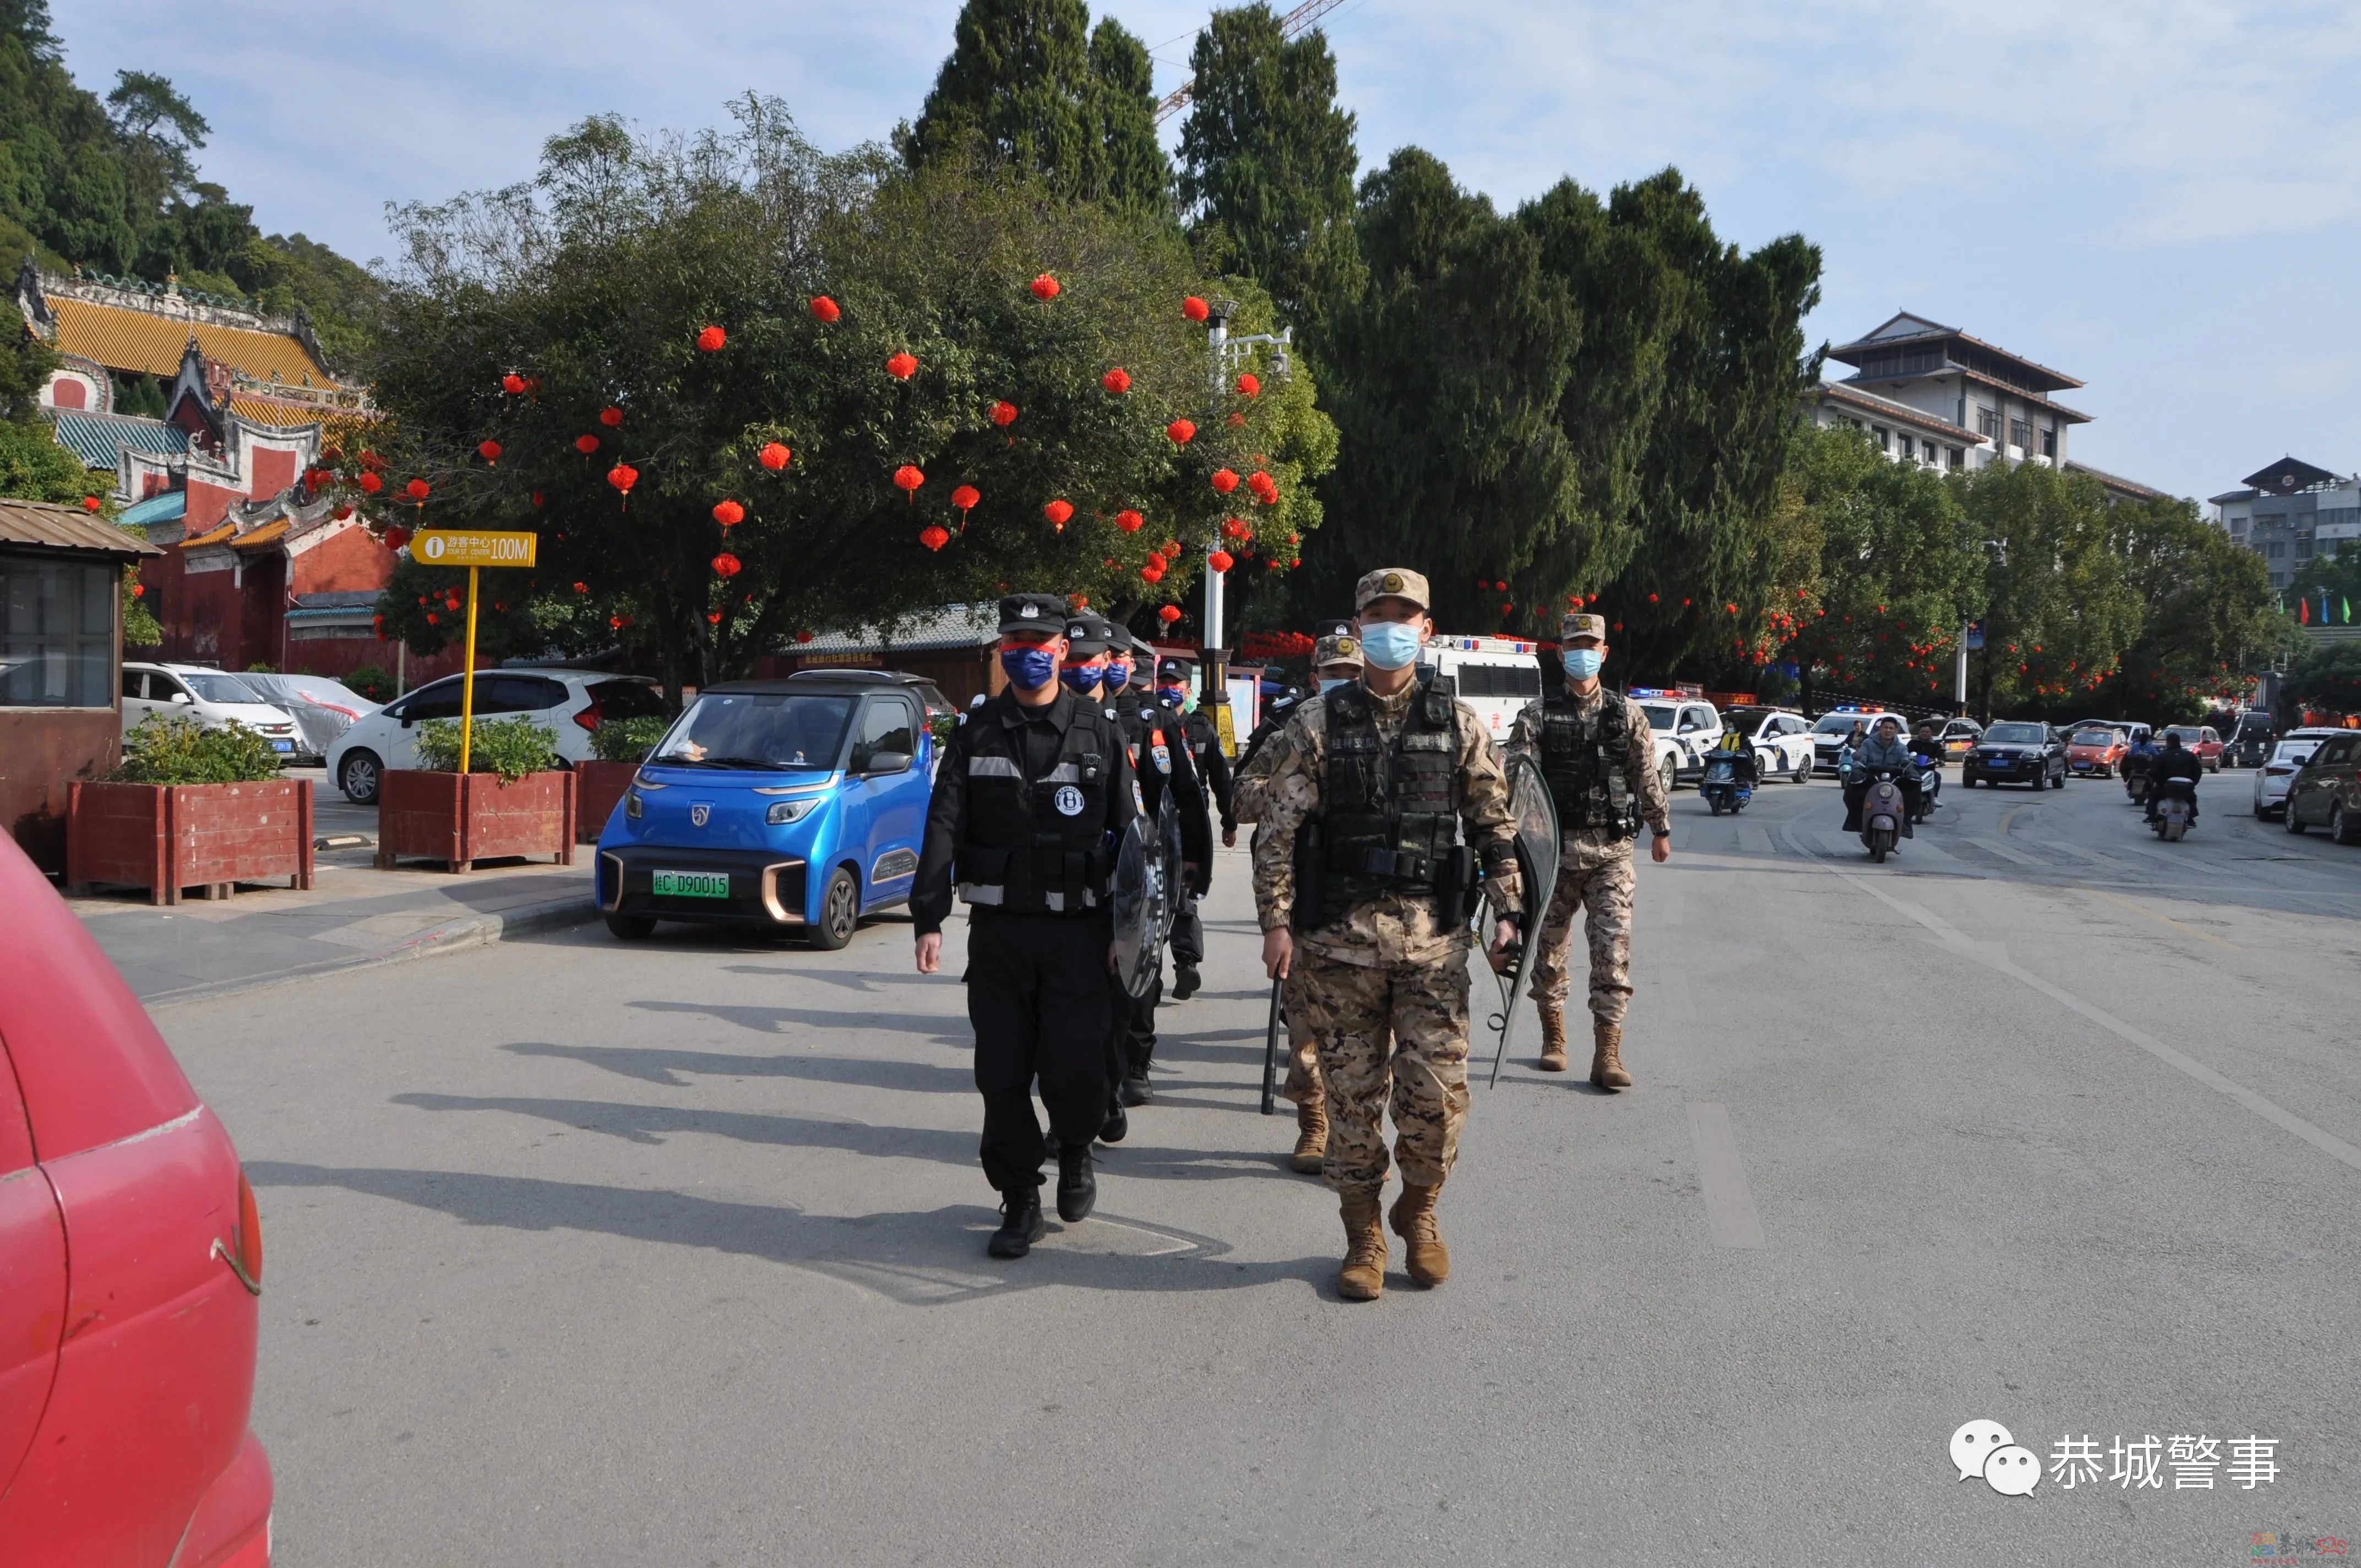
(353, 915)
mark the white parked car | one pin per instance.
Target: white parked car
(1828, 733)
(1684, 727)
(1782, 740)
(2288, 756)
(569, 704)
(1496, 676)
(214, 698)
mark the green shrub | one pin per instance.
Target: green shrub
(628, 739)
(509, 747)
(374, 681)
(174, 749)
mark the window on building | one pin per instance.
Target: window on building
(1926, 452)
(2276, 548)
(2237, 525)
(2020, 433)
(2303, 546)
(57, 634)
(1987, 422)
(2278, 579)
(1958, 456)
(2049, 442)
(1879, 433)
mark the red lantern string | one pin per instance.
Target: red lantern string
(610, 416)
(1220, 560)
(1151, 573)
(1045, 286)
(933, 536)
(512, 384)
(581, 587)
(1225, 481)
(490, 450)
(1168, 614)
(90, 503)
(1196, 309)
(622, 476)
(395, 538)
(1250, 387)
(823, 309)
(370, 484)
(711, 338)
(727, 513)
(725, 565)
(964, 498)
(1057, 511)
(908, 479)
(1180, 431)
(902, 366)
(774, 456)
(1171, 549)
(585, 444)
(1117, 380)
(1129, 520)
(1004, 414)
(713, 617)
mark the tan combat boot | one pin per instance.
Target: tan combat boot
(1553, 1037)
(1311, 1136)
(1606, 1058)
(1363, 1277)
(1414, 1220)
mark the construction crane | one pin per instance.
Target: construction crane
(1294, 22)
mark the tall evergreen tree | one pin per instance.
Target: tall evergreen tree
(1029, 83)
(1268, 159)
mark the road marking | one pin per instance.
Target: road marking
(2011, 814)
(2161, 919)
(2005, 853)
(1996, 955)
(1729, 1207)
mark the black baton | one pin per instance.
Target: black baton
(1270, 1055)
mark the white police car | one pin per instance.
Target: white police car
(1685, 729)
(1830, 731)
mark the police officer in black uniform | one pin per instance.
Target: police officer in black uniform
(1213, 765)
(1153, 730)
(1030, 799)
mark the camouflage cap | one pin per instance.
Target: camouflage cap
(1392, 582)
(1342, 649)
(1574, 626)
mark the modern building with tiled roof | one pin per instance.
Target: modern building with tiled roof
(2291, 510)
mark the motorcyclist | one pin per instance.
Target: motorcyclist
(1882, 753)
(2139, 763)
(2175, 762)
(1926, 752)
(1847, 753)
(1740, 750)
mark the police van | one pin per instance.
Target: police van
(1496, 676)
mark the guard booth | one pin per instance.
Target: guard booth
(60, 663)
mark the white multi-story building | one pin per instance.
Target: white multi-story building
(1932, 395)
(2292, 511)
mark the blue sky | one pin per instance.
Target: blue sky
(2161, 197)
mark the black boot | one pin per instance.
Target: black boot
(1136, 1090)
(1116, 1123)
(1020, 1223)
(1185, 982)
(1078, 1188)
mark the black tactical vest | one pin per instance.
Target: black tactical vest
(1031, 845)
(1389, 816)
(1583, 761)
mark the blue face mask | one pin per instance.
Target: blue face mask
(1332, 684)
(1083, 677)
(1177, 696)
(1031, 668)
(1117, 677)
(1582, 663)
(1389, 644)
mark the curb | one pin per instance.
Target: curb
(454, 936)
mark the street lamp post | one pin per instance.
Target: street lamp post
(1226, 352)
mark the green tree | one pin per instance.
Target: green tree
(1029, 84)
(2338, 573)
(2325, 678)
(2061, 610)
(26, 365)
(2208, 617)
(1267, 160)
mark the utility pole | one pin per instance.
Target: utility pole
(1226, 352)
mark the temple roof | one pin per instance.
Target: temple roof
(97, 438)
(2289, 475)
(1903, 330)
(125, 339)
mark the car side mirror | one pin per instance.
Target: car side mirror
(179, 696)
(880, 762)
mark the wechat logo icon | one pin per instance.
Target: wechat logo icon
(1986, 1448)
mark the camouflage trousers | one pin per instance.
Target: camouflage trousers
(1602, 891)
(1388, 1037)
(1303, 1086)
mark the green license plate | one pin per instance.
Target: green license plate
(691, 884)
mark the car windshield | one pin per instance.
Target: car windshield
(2294, 750)
(218, 687)
(2094, 737)
(2015, 734)
(2190, 734)
(1662, 716)
(1745, 723)
(759, 730)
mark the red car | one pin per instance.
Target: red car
(130, 1260)
(2096, 750)
(2201, 739)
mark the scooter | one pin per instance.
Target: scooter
(1726, 786)
(1927, 776)
(2176, 806)
(1883, 815)
(2135, 776)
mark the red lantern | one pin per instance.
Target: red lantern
(1129, 520)
(823, 309)
(370, 484)
(965, 497)
(1181, 431)
(581, 587)
(1004, 414)
(1045, 286)
(585, 444)
(395, 538)
(490, 450)
(1225, 481)
(90, 503)
(713, 617)
(774, 456)
(139, 590)
(1220, 560)
(622, 476)
(1168, 614)
(610, 416)
(729, 514)
(512, 384)
(803, 636)
(933, 536)
(1152, 573)
(711, 338)
(435, 619)
(1057, 511)
(1249, 386)
(1170, 549)
(1196, 309)
(343, 512)
(725, 565)
(1117, 380)
(908, 479)
(902, 366)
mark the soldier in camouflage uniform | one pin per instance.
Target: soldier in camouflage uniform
(1335, 659)
(1358, 853)
(1592, 746)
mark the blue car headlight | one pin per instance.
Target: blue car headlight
(632, 806)
(785, 811)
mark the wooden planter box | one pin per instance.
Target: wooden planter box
(166, 838)
(460, 818)
(600, 785)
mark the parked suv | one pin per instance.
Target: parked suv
(214, 698)
(2016, 752)
(569, 704)
(1689, 723)
(2325, 795)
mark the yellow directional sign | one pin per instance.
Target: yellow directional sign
(457, 547)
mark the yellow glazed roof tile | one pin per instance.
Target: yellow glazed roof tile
(133, 340)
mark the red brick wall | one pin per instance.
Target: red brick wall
(270, 472)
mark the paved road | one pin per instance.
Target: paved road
(584, 1253)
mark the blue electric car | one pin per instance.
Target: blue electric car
(797, 803)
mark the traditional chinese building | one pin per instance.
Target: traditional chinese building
(2290, 511)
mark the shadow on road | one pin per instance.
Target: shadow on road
(776, 1020)
(933, 1257)
(675, 1069)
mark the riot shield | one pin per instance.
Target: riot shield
(1535, 816)
(1144, 894)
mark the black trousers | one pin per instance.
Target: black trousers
(1188, 931)
(1131, 1037)
(1037, 992)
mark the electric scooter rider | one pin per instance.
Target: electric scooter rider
(1926, 757)
(2175, 762)
(1882, 753)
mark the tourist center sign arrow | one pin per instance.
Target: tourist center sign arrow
(457, 547)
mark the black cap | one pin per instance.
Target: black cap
(1119, 638)
(1335, 626)
(1033, 612)
(1086, 636)
(1174, 669)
